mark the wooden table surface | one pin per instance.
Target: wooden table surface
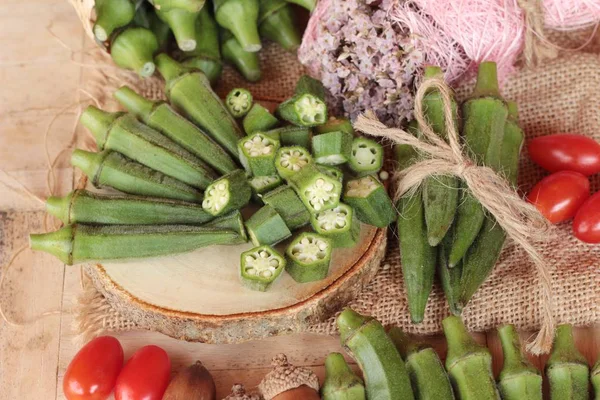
(41, 67)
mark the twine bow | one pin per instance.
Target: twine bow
(520, 220)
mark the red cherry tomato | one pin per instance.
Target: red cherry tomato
(145, 376)
(559, 196)
(586, 225)
(92, 373)
(566, 153)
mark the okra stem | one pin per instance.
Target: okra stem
(133, 48)
(189, 5)
(567, 369)
(207, 54)
(276, 23)
(183, 25)
(110, 15)
(241, 18)
(246, 62)
(340, 382)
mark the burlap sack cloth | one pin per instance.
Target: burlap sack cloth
(563, 95)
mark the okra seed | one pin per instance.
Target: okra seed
(251, 271)
(266, 274)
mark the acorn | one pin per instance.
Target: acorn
(238, 392)
(192, 383)
(287, 382)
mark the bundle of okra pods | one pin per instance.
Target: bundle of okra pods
(442, 226)
(206, 32)
(184, 186)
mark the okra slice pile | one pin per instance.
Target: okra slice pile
(287, 203)
(307, 107)
(239, 102)
(290, 160)
(309, 256)
(332, 171)
(260, 267)
(332, 148)
(366, 156)
(257, 154)
(292, 136)
(259, 119)
(370, 200)
(317, 190)
(230, 192)
(339, 224)
(267, 227)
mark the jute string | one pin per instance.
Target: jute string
(520, 220)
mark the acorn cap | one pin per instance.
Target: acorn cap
(284, 377)
(238, 392)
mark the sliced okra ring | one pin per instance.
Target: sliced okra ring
(309, 256)
(232, 221)
(287, 203)
(239, 102)
(263, 184)
(366, 156)
(260, 267)
(336, 124)
(228, 193)
(339, 224)
(303, 110)
(267, 227)
(259, 119)
(332, 148)
(257, 154)
(290, 160)
(370, 201)
(332, 171)
(317, 190)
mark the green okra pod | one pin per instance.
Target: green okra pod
(79, 243)
(332, 148)
(246, 62)
(276, 23)
(239, 102)
(260, 267)
(308, 4)
(307, 107)
(385, 374)
(267, 227)
(287, 203)
(334, 124)
(257, 154)
(340, 382)
(567, 369)
(162, 117)
(309, 256)
(259, 119)
(125, 134)
(450, 278)
(469, 364)
(595, 378)
(189, 5)
(292, 136)
(229, 192)
(189, 91)
(207, 55)
(231, 222)
(370, 200)
(290, 160)
(339, 224)
(112, 169)
(512, 144)
(241, 18)
(110, 15)
(146, 17)
(426, 371)
(317, 190)
(366, 156)
(264, 184)
(133, 48)
(82, 206)
(518, 380)
(183, 24)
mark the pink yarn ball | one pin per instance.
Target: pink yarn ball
(571, 14)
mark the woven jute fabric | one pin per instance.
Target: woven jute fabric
(561, 96)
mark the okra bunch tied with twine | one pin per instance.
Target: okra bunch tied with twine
(201, 34)
(456, 180)
(187, 168)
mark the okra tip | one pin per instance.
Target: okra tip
(98, 122)
(58, 243)
(133, 102)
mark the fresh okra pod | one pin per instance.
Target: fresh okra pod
(162, 117)
(264, 184)
(110, 15)
(146, 17)
(113, 169)
(231, 222)
(267, 227)
(229, 192)
(340, 382)
(370, 200)
(309, 256)
(290, 160)
(468, 363)
(183, 24)
(241, 18)
(125, 134)
(239, 102)
(339, 224)
(257, 154)
(260, 267)
(426, 371)
(382, 366)
(317, 190)
(246, 62)
(189, 91)
(366, 156)
(308, 4)
(133, 48)
(81, 206)
(450, 278)
(512, 144)
(189, 5)
(335, 124)
(276, 23)
(332, 148)
(78, 243)
(292, 136)
(566, 369)
(307, 107)
(287, 203)
(595, 378)
(258, 119)
(518, 380)
(207, 55)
